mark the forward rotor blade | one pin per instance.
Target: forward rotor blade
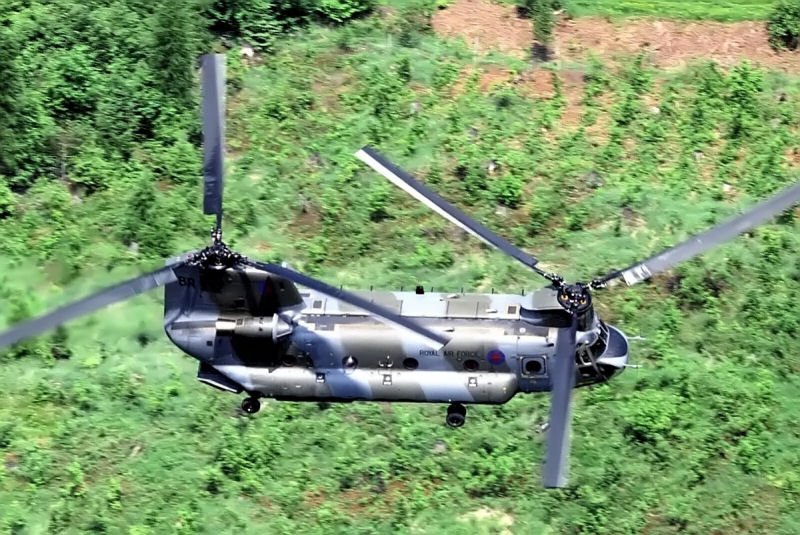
(213, 90)
(435, 339)
(87, 305)
(562, 377)
(432, 200)
(709, 239)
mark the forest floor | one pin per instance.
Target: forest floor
(670, 43)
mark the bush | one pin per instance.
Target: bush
(784, 25)
(415, 21)
(541, 13)
(260, 26)
(342, 10)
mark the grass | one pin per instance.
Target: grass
(728, 11)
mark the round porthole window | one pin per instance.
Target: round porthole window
(411, 363)
(471, 365)
(533, 367)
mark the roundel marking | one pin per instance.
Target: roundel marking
(496, 357)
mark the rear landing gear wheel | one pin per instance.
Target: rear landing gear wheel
(456, 415)
(251, 405)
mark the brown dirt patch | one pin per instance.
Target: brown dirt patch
(487, 26)
(573, 93)
(793, 155)
(537, 83)
(484, 25)
(493, 76)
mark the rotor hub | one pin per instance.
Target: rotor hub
(575, 297)
(217, 256)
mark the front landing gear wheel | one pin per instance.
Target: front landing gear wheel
(251, 405)
(456, 415)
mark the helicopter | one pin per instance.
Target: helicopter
(272, 332)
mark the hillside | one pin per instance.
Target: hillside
(668, 43)
(597, 161)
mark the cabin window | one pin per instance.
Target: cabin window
(411, 363)
(533, 366)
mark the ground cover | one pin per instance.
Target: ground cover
(594, 163)
(736, 10)
(489, 26)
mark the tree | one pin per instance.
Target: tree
(784, 25)
(543, 21)
(259, 24)
(174, 50)
(10, 88)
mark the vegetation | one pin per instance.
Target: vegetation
(731, 10)
(541, 12)
(784, 25)
(102, 425)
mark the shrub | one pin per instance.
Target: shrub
(541, 13)
(415, 21)
(784, 25)
(342, 10)
(260, 25)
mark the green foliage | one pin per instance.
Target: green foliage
(342, 10)
(732, 10)
(175, 45)
(262, 23)
(784, 25)
(10, 87)
(260, 26)
(7, 200)
(541, 13)
(414, 21)
(746, 83)
(97, 418)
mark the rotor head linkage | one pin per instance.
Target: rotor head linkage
(555, 278)
(575, 298)
(216, 235)
(217, 256)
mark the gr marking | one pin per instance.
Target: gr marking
(270, 331)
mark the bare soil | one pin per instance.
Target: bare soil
(671, 44)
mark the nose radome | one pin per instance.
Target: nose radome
(616, 353)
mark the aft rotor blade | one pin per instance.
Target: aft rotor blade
(562, 378)
(87, 305)
(432, 200)
(437, 340)
(213, 90)
(700, 243)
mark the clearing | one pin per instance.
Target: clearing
(671, 43)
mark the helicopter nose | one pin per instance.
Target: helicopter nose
(616, 354)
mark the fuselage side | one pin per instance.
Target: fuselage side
(307, 346)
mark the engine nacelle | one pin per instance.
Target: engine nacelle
(255, 327)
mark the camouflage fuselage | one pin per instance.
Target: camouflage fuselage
(256, 332)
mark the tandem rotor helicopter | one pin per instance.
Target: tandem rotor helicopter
(272, 332)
